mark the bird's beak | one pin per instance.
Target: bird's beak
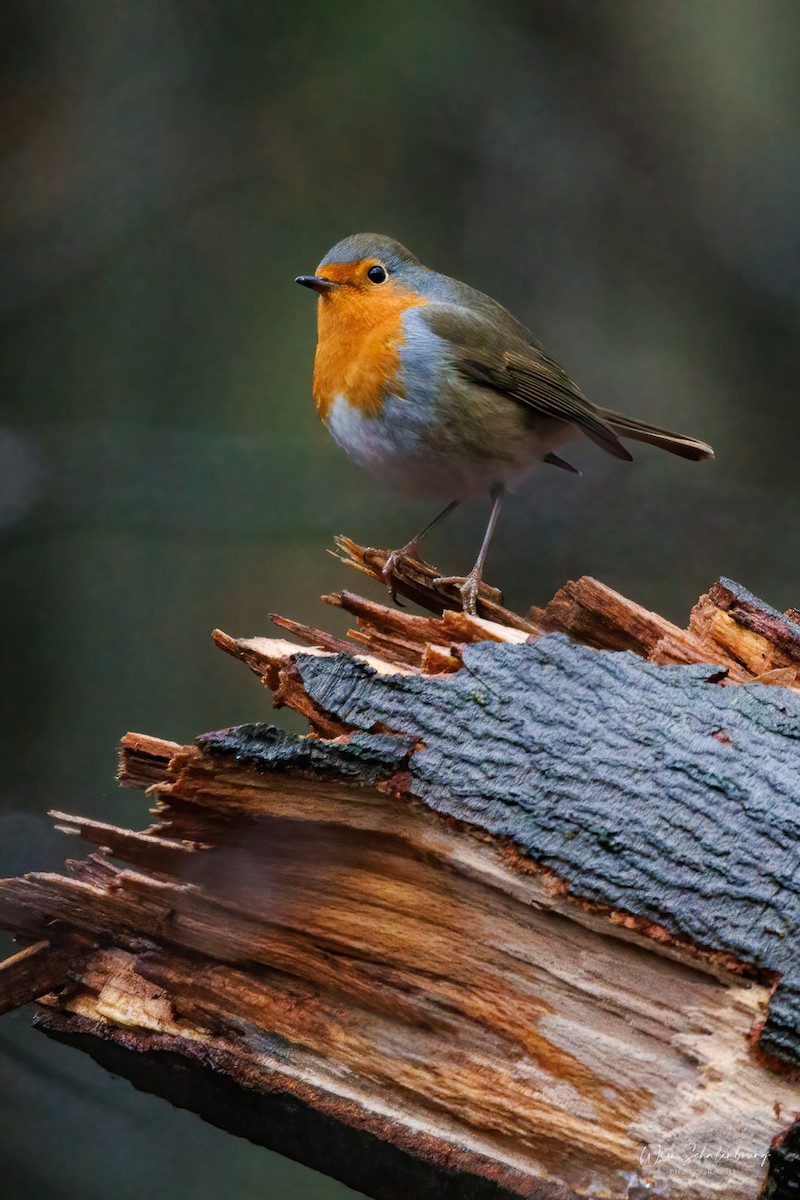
(317, 283)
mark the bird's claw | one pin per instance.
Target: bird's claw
(410, 550)
(471, 586)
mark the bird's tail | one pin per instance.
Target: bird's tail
(640, 431)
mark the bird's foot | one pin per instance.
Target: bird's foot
(471, 587)
(410, 550)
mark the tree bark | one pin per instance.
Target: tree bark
(518, 917)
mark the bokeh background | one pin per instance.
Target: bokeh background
(624, 174)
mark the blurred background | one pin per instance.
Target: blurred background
(623, 175)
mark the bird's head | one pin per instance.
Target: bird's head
(365, 269)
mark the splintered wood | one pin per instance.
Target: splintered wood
(516, 920)
(728, 627)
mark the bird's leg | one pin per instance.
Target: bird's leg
(411, 550)
(469, 585)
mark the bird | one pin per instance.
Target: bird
(438, 390)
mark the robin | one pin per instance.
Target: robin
(437, 389)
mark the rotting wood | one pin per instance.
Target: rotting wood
(38, 969)
(519, 919)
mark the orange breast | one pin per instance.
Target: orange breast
(359, 338)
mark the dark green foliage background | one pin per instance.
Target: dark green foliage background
(623, 174)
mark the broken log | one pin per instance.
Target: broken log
(517, 918)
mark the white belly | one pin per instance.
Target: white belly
(397, 447)
(375, 443)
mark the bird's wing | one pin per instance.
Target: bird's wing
(491, 353)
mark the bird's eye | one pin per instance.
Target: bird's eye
(376, 274)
